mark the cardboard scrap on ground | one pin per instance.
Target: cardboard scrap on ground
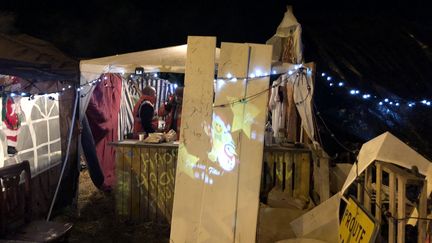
(321, 223)
(300, 240)
(338, 176)
(279, 199)
(274, 223)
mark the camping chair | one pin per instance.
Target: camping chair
(15, 210)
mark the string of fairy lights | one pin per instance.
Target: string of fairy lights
(257, 74)
(66, 87)
(380, 101)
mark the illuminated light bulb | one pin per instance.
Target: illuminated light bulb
(99, 79)
(12, 94)
(380, 103)
(234, 80)
(397, 104)
(386, 100)
(23, 94)
(63, 89)
(428, 103)
(229, 75)
(357, 91)
(331, 84)
(79, 89)
(265, 74)
(365, 96)
(329, 78)
(274, 72)
(353, 92)
(105, 77)
(341, 84)
(391, 103)
(69, 87)
(323, 74)
(155, 75)
(131, 75)
(410, 105)
(258, 73)
(252, 75)
(290, 72)
(175, 86)
(424, 101)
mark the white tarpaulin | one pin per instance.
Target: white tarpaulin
(169, 59)
(388, 148)
(303, 92)
(38, 137)
(287, 45)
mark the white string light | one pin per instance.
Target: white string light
(368, 96)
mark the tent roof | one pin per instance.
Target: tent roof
(33, 59)
(388, 148)
(169, 59)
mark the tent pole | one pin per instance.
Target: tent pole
(67, 154)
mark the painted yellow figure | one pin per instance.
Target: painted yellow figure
(223, 146)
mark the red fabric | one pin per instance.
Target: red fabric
(169, 117)
(102, 114)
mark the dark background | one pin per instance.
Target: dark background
(382, 48)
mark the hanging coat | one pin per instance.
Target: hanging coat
(277, 105)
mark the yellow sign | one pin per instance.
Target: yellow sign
(356, 225)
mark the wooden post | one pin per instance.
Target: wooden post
(401, 208)
(378, 210)
(367, 192)
(252, 146)
(422, 214)
(392, 207)
(196, 112)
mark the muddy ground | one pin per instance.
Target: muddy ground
(94, 219)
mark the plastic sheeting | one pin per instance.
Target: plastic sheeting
(34, 59)
(388, 148)
(39, 135)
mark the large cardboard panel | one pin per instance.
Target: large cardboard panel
(196, 112)
(252, 144)
(220, 197)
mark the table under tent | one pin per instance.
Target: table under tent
(38, 89)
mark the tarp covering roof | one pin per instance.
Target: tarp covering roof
(169, 59)
(388, 148)
(36, 60)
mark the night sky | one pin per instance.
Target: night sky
(382, 47)
(95, 28)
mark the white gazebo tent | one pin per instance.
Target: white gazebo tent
(169, 59)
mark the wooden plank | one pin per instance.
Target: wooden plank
(279, 170)
(288, 158)
(252, 146)
(401, 191)
(301, 175)
(368, 192)
(152, 185)
(144, 184)
(422, 214)
(378, 182)
(392, 207)
(305, 174)
(219, 213)
(162, 185)
(292, 125)
(196, 112)
(171, 166)
(135, 185)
